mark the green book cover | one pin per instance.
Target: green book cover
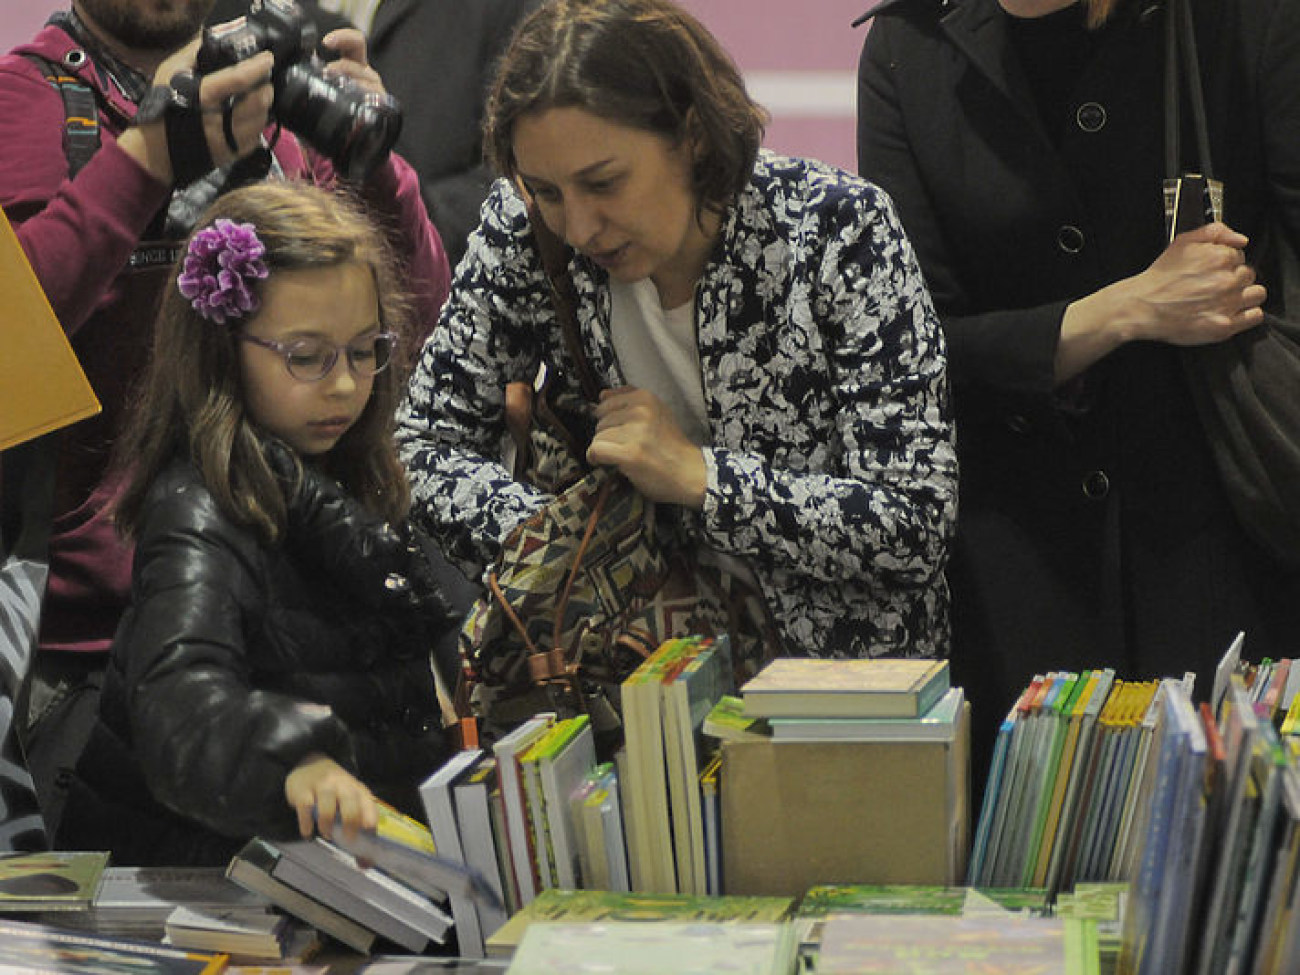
(601, 905)
(826, 899)
(727, 720)
(50, 881)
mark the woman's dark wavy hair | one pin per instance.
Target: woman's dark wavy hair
(191, 397)
(643, 63)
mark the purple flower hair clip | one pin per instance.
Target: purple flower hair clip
(221, 262)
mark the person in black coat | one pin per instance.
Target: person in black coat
(274, 673)
(1023, 144)
(438, 58)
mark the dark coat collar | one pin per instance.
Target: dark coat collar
(977, 28)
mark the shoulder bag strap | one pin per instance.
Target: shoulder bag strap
(564, 298)
(1196, 198)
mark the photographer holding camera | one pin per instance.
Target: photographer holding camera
(115, 139)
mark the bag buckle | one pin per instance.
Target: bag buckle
(1191, 201)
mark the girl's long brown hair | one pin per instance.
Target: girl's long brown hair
(191, 398)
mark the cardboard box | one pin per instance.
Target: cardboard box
(796, 814)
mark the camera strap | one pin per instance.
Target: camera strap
(187, 143)
(80, 113)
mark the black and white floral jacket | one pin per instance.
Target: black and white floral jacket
(831, 471)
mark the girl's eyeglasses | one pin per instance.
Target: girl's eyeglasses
(311, 360)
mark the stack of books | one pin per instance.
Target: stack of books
(855, 700)
(247, 935)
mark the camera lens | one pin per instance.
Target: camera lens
(356, 128)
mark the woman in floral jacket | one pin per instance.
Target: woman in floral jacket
(773, 364)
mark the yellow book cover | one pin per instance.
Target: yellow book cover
(42, 386)
(531, 780)
(651, 856)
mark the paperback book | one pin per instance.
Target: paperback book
(49, 881)
(631, 948)
(595, 905)
(799, 687)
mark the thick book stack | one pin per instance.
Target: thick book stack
(247, 935)
(126, 902)
(1194, 806)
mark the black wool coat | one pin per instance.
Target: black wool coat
(438, 57)
(1092, 527)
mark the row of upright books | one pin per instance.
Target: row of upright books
(1196, 806)
(538, 810)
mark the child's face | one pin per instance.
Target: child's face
(334, 304)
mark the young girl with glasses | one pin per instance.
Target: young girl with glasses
(274, 670)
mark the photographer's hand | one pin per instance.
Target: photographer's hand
(244, 87)
(350, 46)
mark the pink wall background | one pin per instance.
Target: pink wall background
(798, 57)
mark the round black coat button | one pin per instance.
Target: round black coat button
(1070, 239)
(1096, 485)
(1090, 116)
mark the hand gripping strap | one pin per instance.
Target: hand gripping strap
(187, 143)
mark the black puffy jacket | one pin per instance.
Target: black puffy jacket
(237, 659)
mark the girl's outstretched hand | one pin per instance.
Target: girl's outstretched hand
(324, 792)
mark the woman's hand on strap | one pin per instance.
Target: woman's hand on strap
(638, 434)
(1198, 291)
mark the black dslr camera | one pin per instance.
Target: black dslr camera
(353, 127)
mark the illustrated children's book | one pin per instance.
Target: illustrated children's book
(49, 881)
(653, 949)
(977, 944)
(597, 905)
